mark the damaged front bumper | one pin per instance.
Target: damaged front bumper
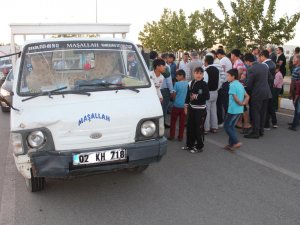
(59, 164)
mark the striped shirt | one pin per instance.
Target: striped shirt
(296, 73)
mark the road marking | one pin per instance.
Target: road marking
(259, 161)
(7, 207)
(284, 114)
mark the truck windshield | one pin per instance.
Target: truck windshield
(80, 66)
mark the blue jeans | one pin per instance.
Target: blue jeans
(296, 114)
(229, 126)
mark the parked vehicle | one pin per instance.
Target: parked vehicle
(82, 110)
(5, 64)
(6, 92)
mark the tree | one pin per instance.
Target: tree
(251, 24)
(174, 32)
(208, 27)
(170, 33)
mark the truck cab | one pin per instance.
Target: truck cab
(84, 106)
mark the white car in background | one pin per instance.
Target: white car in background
(6, 92)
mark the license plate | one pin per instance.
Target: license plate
(113, 155)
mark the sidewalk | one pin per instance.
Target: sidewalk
(286, 103)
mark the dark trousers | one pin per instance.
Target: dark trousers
(195, 127)
(258, 111)
(166, 100)
(275, 94)
(229, 127)
(270, 114)
(296, 114)
(222, 106)
(177, 112)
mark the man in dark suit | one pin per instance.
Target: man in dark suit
(271, 114)
(258, 85)
(281, 60)
(272, 54)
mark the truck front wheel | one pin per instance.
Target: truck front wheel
(35, 184)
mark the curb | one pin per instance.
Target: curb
(286, 104)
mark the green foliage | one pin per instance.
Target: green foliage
(251, 24)
(174, 31)
(170, 33)
(210, 28)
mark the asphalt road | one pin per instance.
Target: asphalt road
(259, 185)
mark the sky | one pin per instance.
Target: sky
(136, 13)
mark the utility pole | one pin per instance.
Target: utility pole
(96, 11)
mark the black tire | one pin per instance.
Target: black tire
(35, 184)
(138, 169)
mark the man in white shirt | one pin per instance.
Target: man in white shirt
(182, 64)
(222, 101)
(224, 61)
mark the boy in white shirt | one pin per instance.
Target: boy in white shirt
(159, 66)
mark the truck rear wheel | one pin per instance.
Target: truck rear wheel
(138, 169)
(35, 184)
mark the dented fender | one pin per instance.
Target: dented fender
(23, 164)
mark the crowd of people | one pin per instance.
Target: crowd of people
(224, 90)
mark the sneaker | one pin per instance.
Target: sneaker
(267, 128)
(252, 136)
(229, 148)
(292, 128)
(275, 126)
(214, 131)
(196, 150)
(237, 145)
(186, 148)
(221, 125)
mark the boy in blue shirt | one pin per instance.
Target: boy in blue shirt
(238, 98)
(179, 95)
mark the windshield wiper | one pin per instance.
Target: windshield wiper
(106, 84)
(97, 84)
(78, 93)
(49, 93)
(128, 88)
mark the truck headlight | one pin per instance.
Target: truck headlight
(16, 143)
(148, 128)
(36, 139)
